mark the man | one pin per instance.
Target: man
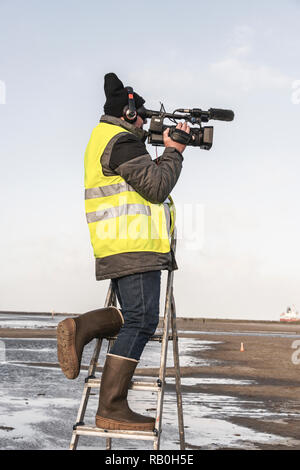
(128, 215)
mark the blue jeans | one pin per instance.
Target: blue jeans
(138, 296)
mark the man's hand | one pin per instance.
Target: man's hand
(168, 142)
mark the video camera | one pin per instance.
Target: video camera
(202, 137)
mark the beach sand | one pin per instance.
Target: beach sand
(269, 363)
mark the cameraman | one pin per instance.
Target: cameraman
(119, 168)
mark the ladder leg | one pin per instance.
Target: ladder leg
(110, 297)
(163, 360)
(113, 301)
(110, 300)
(177, 375)
(108, 439)
(85, 394)
(169, 321)
(74, 441)
(108, 443)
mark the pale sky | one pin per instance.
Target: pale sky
(237, 55)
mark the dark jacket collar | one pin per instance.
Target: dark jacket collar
(140, 133)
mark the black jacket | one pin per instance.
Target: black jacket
(127, 156)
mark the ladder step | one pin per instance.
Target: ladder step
(119, 434)
(154, 384)
(157, 337)
(135, 385)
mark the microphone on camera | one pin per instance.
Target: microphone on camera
(212, 113)
(221, 114)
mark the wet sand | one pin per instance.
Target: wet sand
(269, 362)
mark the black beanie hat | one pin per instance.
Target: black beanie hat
(117, 96)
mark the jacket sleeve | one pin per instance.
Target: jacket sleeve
(154, 180)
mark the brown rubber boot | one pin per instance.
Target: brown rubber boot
(74, 333)
(113, 411)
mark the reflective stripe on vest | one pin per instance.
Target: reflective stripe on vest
(109, 190)
(117, 211)
(120, 220)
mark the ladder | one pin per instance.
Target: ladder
(91, 382)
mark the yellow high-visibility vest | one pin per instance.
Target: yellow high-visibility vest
(120, 220)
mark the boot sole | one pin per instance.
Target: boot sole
(115, 425)
(66, 352)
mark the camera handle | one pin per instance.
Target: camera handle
(180, 136)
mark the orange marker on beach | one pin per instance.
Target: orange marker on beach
(242, 347)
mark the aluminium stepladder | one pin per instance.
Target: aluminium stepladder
(81, 429)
